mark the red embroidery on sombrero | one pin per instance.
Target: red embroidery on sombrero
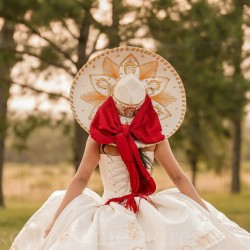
(107, 128)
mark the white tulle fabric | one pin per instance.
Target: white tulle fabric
(176, 223)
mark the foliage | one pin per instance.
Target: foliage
(57, 37)
(197, 40)
(67, 38)
(49, 143)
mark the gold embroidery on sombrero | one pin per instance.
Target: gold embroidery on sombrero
(148, 70)
(96, 99)
(104, 83)
(164, 98)
(110, 68)
(126, 109)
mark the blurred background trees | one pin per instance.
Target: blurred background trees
(206, 41)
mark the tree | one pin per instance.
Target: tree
(9, 57)
(68, 32)
(236, 20)
(6, 61)
(192, 39)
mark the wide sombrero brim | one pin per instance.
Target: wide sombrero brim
(94, 83)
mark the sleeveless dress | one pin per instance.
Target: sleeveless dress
(176, 222)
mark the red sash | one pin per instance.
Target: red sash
(106, 128)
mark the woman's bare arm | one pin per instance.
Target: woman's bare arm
(80, 179)
(165, 158)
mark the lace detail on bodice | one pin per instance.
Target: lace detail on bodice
(115, 176)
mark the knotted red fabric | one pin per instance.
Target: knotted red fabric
(107, 128)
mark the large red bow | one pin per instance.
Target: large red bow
(107, 128)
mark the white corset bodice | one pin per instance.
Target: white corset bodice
(115, 176)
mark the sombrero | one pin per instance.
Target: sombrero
(95, 81)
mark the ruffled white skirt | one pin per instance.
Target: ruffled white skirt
(176, 223)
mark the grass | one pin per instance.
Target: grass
(27, 187)
(235, 207)
(12, 220)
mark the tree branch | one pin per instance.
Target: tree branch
(35, 31)
(40, 91)
(41, 58)
(94, 45)
(98, 25)
(67, 28)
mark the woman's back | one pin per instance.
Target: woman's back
(112, 150)
(115, 175)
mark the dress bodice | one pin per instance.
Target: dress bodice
(115, 176)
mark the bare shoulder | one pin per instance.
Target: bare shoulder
(166, 158)
(163, 146)
(163, 151)
(89, 160)
(112, 150)
(91, 150)
(91, 142)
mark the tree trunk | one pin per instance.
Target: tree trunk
(6, 63)
(240, 94)
(235, 181)
(193, 164)
(80, 136)
(114, 36)
(114, 41)
(4, 95)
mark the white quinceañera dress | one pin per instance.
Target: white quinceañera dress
(176, 222)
